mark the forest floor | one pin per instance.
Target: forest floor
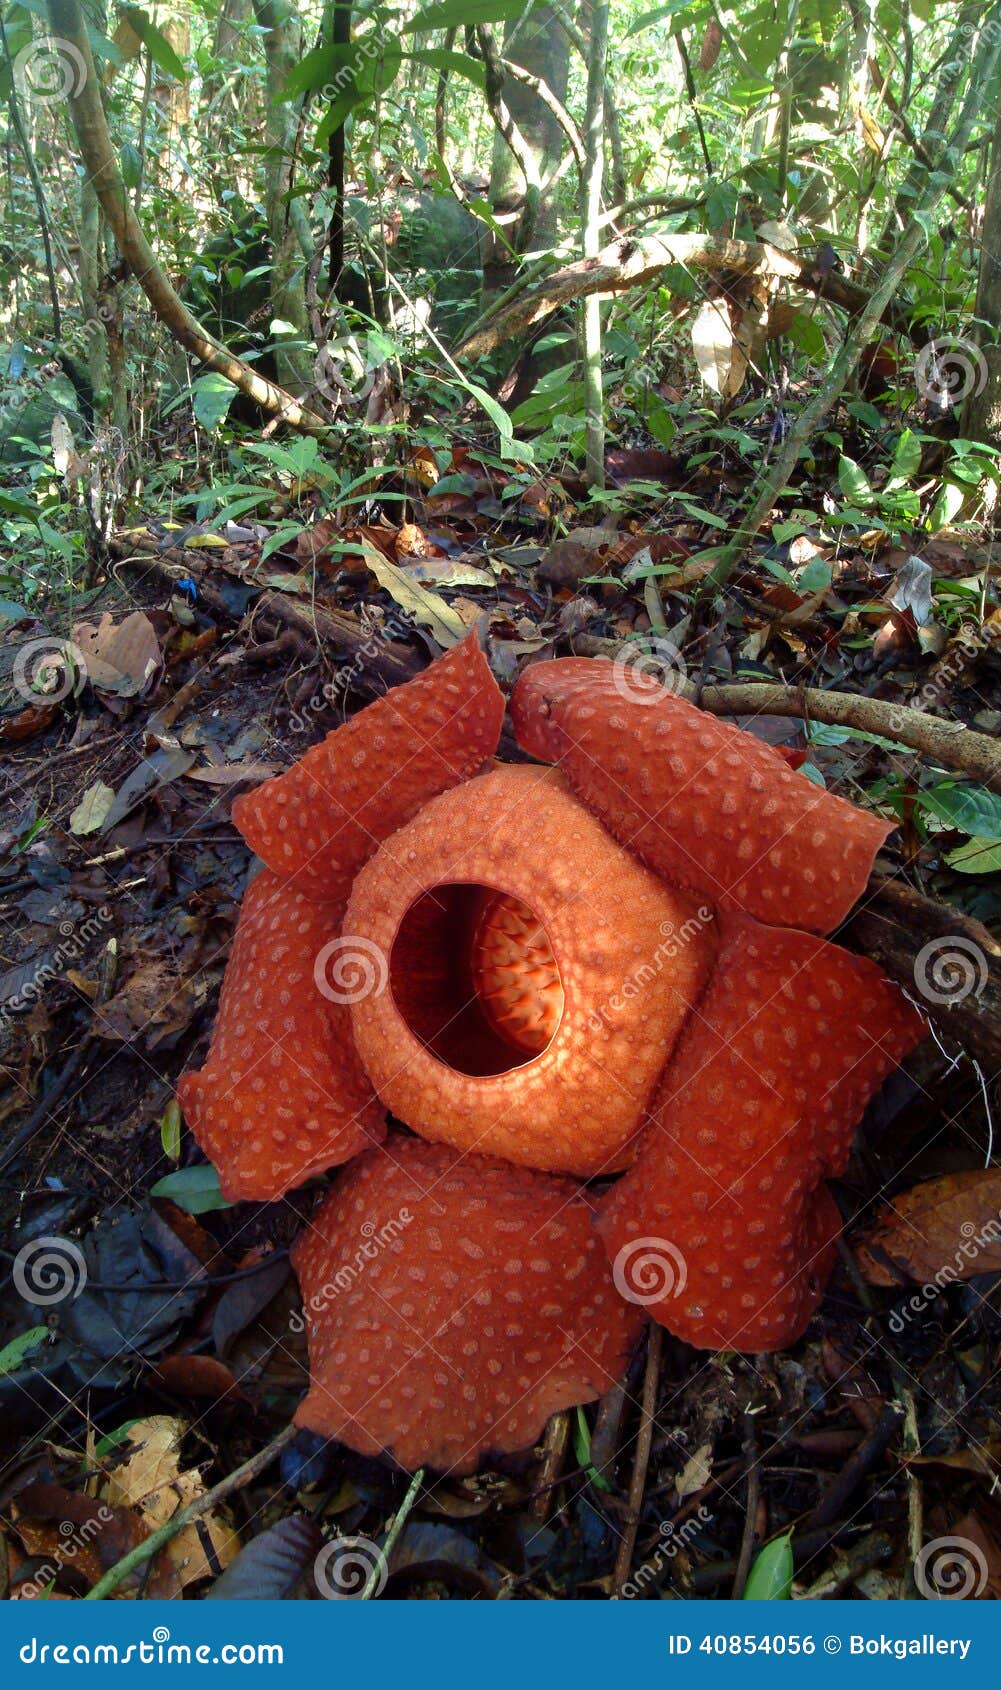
(120, 880)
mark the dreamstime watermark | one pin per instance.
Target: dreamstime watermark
(76, 936)
(348, 1566)
(49, 669)
(949, 969)
(675, 1539)
(950, 1569)
(76, 340)
(350, 968)
(48, 1270)
(340, 683)
(75, 1538)
(638, 663)
(973, 1243)
(672, 943)
(948, 371)
(968, 642)
(345, 374)
(649, 1270)
(377, 1239)
(49, 70)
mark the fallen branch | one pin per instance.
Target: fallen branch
(950, 743)
(632, 263)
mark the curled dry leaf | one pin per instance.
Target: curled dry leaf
(941, 1230)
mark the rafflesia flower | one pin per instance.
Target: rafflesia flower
(612, 964)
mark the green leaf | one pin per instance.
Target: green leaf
(946, 507)
(195, 1190)
(854, 482)
(977, 856)
(807, 336)
(770, 1577)
(12, 1354)
(970, 809)
(439, 58)
(582, 1452)
(160, 50)
(907, 457)
(214, 394)
(814, 577)
(444, 13)
(131, 165)
(170, 1130)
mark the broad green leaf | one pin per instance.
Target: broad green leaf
(12, 1354)
(770, 1578)
(213, 396)
(439, 58)
(444, 13)
(854, 482)
(946, 507)
(970, 809)
(907, 457)
(977, 856)
(160, 50)
(131, 165)
(195, 1190)
(814, 576)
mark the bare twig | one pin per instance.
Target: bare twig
(234, 1481)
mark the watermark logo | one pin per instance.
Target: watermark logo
(637, 664)
(342, 372)
(675, 1537)
(48, 1270)
(376, 1239)
(949, 969)
(50, 669)
(649, 1270)
(49, 70)
(349, 969)
(950, 1569)
(949, 371)
(349, 1567)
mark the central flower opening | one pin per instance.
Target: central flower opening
(473, 974)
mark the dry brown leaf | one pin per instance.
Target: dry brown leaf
(941, 1230)
(120, 657)
(151, 1481)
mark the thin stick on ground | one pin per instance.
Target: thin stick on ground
(753, 1469)
(234, 1481)
(644, 1440)
(375, 1577)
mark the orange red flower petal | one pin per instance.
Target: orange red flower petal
(723, 1229)
(703, 803)
(282, 1095)
(445, 1046)
(317, 823)
(452, 1304)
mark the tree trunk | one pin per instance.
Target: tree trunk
(101, 165)
(982, 407)
(538, 44)
(282, 51)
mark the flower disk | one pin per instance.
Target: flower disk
(631, 957)
(706, 805)
(282, 1095)
(317, 823)
(452, 1305)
